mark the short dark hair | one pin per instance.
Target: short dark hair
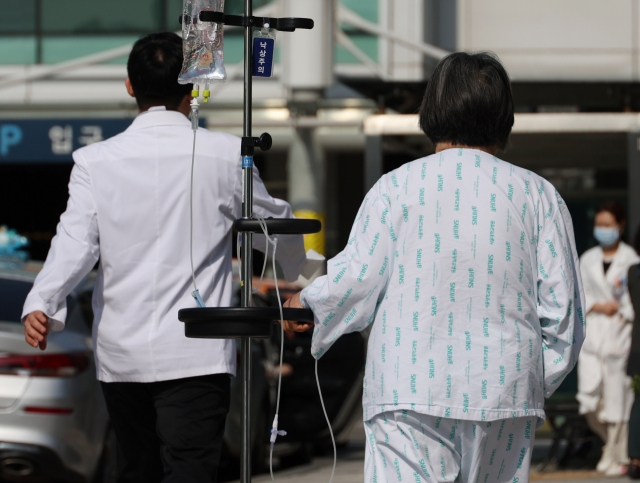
(468, 102)
(153, 67)
(615, 209)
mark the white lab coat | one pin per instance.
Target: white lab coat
(603, 384)
(466, 267)
(129, 207)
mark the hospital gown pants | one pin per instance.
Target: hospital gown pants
(409, 447)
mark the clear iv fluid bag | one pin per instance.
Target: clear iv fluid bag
(202, 44)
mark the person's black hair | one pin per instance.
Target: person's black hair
(468, 102)
(615, 209)
(153, 67)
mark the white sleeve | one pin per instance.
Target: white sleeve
(290, 253)
(74, 251)
(589, 298)
(347, 298)
(560, 299)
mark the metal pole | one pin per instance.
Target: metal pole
(247, 260)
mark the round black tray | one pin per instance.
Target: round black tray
(279, 226)
(234, 322)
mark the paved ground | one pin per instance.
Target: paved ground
(347, 471)
(576, 476)
(351, 471)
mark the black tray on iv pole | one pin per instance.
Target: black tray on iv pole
(279, 226)
(234, 322)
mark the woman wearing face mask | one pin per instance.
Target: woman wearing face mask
(604, 389)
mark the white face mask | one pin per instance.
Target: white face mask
(606, 236)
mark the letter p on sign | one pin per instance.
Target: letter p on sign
(10, 135)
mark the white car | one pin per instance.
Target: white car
(53, 419)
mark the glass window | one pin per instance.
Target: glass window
(367, 43)
(233, 48)
(17, 16)
(236, 7)
(17, 50)
(173, 11)
(367, 10)
(102, 16)
(59, 49)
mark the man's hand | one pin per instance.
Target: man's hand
(36, 329)
(291, 326)
(607, 308)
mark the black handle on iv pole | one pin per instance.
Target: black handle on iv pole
(281, 24)
(264, 142)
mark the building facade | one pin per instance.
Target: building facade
(62, 67)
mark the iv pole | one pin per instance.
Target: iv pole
(246, 322)
(246, 268)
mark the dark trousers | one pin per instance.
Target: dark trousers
(634, 430)
(169, 431)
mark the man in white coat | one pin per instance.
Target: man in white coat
(466, 270)
(167, 395)
(604, 388)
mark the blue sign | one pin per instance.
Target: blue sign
(247, 161)
(53, 140)
(263, 49)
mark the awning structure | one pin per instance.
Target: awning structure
(525, 123)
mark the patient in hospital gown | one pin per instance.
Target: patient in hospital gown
(465, 269)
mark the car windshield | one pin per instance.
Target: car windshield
(12, 296)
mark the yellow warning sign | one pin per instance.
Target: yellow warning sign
(315, 241)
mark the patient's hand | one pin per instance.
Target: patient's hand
(291, 326)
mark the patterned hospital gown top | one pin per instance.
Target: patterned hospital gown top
(466, 268)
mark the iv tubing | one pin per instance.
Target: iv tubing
(193, 158)
(274, 242)
(333, 439)
(194, 112)
(194, 126)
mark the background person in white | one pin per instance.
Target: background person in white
(167, 395)
(466, 268)
(604, 388)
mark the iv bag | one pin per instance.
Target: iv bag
(202, 44)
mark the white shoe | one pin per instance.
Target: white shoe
(616, 469)
(605, 463)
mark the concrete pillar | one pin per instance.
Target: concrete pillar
(307, 174)
(372, 161)
(406, 18)
(307, 69)
(307, 60)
